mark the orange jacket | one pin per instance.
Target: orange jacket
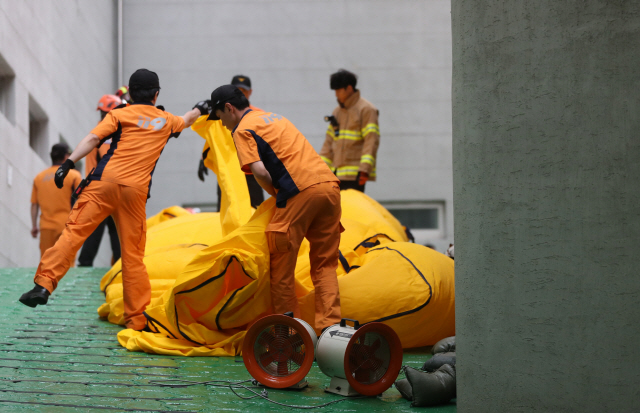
(287, 155)
(139, 133)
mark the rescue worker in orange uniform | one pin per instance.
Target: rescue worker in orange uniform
(353, 136)
(92, 244)
(307, 200)
(54, 203)
(118, 187)
(256, 195)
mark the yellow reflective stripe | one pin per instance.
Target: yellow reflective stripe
(367, 159)
(331, 132)
(328, 161)
(351, 135)
(347, 171)
(370, 128)
(342, 174)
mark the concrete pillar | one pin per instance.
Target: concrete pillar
(546, 154)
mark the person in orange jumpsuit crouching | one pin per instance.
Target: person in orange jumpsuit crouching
(307, 200)
(119, 187)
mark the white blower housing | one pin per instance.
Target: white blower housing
(360, 359)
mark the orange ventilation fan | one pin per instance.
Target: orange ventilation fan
(278, 351)
(362, 360)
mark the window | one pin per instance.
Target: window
(418, 218)
(7, 94)
(425, 219)
(38, 130)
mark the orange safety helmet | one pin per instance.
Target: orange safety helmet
(108, 102)
(122, 90)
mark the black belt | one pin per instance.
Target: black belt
(80, 187)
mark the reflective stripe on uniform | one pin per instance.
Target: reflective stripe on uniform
(347, 171)
(328, 161)
(352, 135)
(331, 132)
(352, 171)
(370, 128)
(368, 159)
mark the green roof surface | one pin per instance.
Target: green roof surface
(62, 358)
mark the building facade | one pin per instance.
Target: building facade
(400, 49)
(56, 60)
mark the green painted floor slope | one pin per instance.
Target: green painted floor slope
(62, 358)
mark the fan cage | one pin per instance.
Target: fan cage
(279, 350)
(373, 358)
(369, 358)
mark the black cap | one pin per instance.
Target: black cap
(343, 78)
(58, 152)
(61, 148)
(241, 81)
(144, 79)
(220, 96)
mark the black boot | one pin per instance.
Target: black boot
(38, 295)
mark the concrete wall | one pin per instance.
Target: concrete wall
(61, 56)
(546, 151)
(399, 48)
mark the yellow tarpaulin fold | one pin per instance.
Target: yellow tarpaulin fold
(210, 272)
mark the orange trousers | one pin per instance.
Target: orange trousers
(127, 206)
(314, 214)
(48, 238)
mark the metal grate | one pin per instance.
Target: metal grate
(279, 350)
(369, 358)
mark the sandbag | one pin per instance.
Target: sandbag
(445, 345)
(438, 360)
(432, 389)
(404, 387)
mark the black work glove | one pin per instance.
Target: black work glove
(202, 170)
(62, 172)
(204, 106)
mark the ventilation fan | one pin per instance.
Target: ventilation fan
(278, 351)
(362, 360)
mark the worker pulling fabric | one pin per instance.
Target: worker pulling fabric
(243, 83)
(307, 199)
(92, 243)
(119, 187)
